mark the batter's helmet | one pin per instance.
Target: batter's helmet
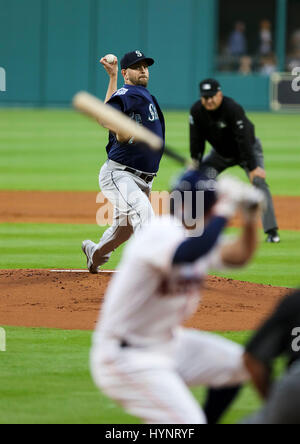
(193, 186)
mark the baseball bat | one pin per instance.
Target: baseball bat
(171, 153)
(114, 120)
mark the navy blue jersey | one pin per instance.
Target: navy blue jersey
(138, 104)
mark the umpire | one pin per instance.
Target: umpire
(223, 123)
(279, 336)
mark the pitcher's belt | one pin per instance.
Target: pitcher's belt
(144, 176)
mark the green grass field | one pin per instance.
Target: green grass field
(59, 246)
(61, 150)
(44, 373)
(35, 388)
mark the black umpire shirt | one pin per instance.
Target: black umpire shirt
(280, 335)
(227, 129)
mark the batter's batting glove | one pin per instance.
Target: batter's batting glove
(254, 202)
(231, 193)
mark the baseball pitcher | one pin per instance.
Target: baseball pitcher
(141, 356)
(126, 178)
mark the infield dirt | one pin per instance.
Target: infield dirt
(81, 208)
(40, 298)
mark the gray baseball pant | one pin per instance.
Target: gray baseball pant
(130, 196)
(283, 406)
(214, 164)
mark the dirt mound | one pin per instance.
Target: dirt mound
(72, 300)
(81, 208)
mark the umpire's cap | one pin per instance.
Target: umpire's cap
(131, 58)
(209, 88)
(194, 181)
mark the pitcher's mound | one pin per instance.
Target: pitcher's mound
(72, 300)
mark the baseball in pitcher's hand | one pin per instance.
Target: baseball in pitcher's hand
(110, 68)
(258, 172)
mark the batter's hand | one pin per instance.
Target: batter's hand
(110, 68)
(234, 194)
(258, 172)
(253, 204)
(231, 193)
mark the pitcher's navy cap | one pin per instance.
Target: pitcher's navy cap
(131, 58)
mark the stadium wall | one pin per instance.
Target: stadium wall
(50, 49)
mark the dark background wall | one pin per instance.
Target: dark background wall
(50, 49)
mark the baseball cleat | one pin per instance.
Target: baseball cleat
(88, 249)
(273, 237)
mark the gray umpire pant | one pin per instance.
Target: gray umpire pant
(214, 164)
(130, 196)
(283, 406)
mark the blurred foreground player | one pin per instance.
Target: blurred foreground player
(223, 123)
(141, 356)
(279, 336)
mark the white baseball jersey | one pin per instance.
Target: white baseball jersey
(145, 304)
(149, 297)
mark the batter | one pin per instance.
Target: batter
(141, 355)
